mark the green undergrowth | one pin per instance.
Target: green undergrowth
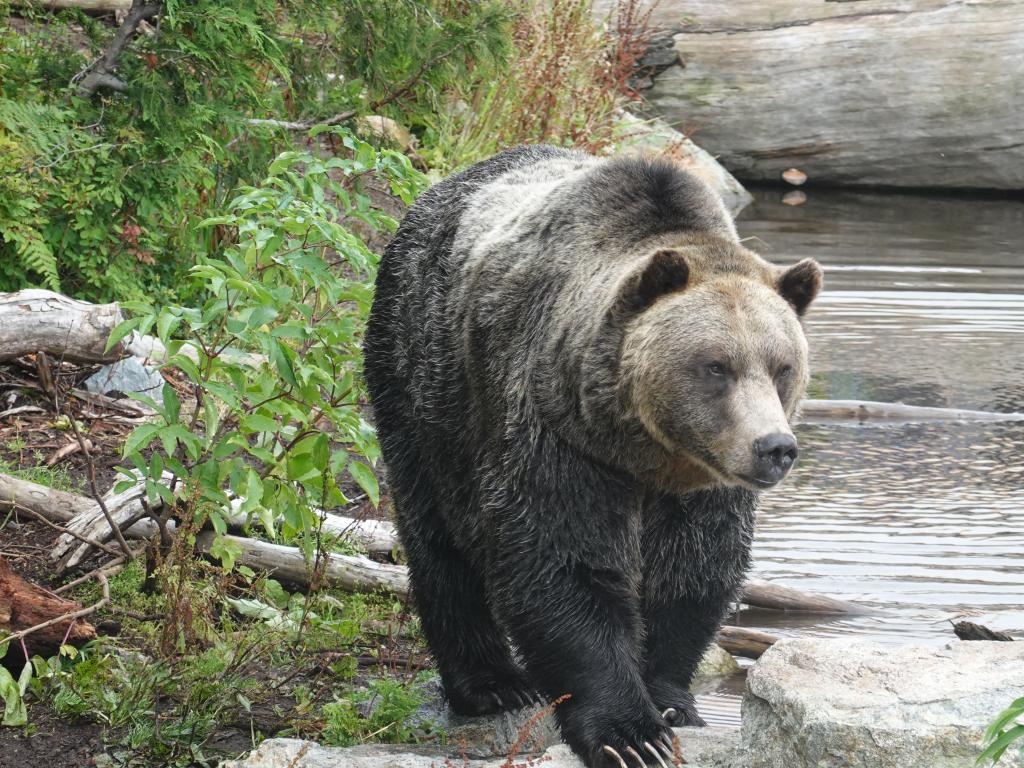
(269, 662)
(31, 465)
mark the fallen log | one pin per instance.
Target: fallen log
(763, 594)
(748, 643)
(377, 537)
(829, 411)
(82, 514)
(786, 64)
(349, 572)
(36, 320)
(27, 606)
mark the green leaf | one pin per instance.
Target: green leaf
(140, 437)
(121, 330)
(172, 405)
(279, 357)
(366, 480)
(995, 750)
(226, 550)
(15, 712)
(165, 325)
(1012, 712)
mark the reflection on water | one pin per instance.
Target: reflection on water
(924, 304)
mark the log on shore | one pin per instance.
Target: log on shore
(763, 594)
(36, 320)
(24, 605)
(861, 411)
(748, 643)
(767, 86)
(349, 572)
(342, 571)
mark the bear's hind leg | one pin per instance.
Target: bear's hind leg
(696, 551)
(471, 651)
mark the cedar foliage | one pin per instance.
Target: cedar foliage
(99, 196)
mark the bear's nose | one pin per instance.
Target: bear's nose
(773, 456)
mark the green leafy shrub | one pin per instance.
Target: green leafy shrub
(100, 195)
(273, 353)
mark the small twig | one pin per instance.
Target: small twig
(101, 577)
(107, 570)
(21, 409)
(96, 492)
(67, 450)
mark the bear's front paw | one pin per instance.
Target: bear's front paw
(488, 694)
(632, 745)
(678, 703)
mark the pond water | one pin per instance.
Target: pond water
(923, 523)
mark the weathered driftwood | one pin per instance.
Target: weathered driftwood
(92, 524)
(24, 605)
(349, 572)
(58, 506)
(36, 320)
(748, 643)
(83, 516)
(76, 512)
(827, 411)
(377, 537)
(968, 630)
(763, 594)
(766, 86)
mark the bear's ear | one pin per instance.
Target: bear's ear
(800, 283)
(664, 272)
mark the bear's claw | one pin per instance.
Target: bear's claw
(611, 751)
(657, 756)
(640, 762)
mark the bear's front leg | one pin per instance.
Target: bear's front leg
(696, 552)
(564, 580)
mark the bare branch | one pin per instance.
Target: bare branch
(100, 73)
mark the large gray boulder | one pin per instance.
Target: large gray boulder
(812, 702)
(905, 93)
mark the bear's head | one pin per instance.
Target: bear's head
(714, 361)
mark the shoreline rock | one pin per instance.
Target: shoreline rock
(809, 702)
(812, 702)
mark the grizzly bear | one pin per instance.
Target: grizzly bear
(581, 380)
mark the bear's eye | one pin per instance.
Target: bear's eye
(716, 369)
(785, 372)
